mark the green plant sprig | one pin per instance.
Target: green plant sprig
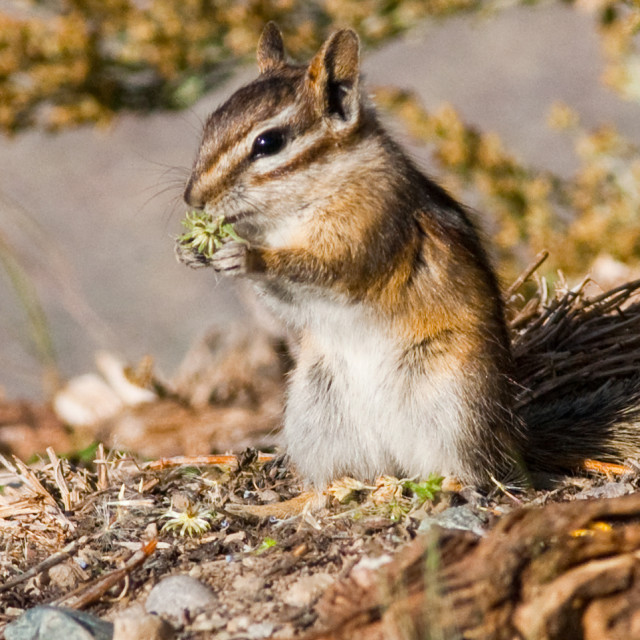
(205, 235)
(425, 490)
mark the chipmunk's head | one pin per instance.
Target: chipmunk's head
(278, 147)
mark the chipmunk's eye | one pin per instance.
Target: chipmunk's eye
(268, 143)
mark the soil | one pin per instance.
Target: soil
(357, 567)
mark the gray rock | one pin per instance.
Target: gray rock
(179, 598)
(608, 490)
(463, 517)
(58, 623)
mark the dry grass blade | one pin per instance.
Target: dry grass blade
(222, 459)
(30, 479)
(19, 508)
(102, 468)
(58, 476)
(37, 320)
(62, 555)
(39, 496)
(526, 274)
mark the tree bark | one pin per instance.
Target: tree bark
(568, 570)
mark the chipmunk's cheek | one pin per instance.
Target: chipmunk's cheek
(287, 233)
(251, 229)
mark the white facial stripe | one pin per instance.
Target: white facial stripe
(284, 117)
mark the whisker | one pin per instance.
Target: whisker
(170, 211)
(196, 128)
(168, 189)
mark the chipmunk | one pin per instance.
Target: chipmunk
(404, 363)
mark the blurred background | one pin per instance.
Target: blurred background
(527, 111)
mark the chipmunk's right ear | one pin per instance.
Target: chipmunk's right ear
(270, 48)
(333, 78)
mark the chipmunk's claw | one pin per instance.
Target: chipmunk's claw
(191, 257)
(231, 258)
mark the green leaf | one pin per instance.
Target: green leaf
(266, 544)
(427, 489)
(205, 235)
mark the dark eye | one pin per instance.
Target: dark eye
(268, 143)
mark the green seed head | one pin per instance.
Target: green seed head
(205, 235)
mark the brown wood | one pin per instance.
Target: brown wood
(569, 570)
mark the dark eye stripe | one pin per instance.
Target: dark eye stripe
(268, 143)
(308, 156)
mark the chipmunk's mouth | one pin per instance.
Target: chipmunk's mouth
(237, 217)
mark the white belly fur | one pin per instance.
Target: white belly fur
(377, 416)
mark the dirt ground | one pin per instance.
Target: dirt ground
(290, 575)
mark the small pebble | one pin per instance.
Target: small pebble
(608, 490)
(238, 624)
(179, 598)
(249, 585)
(269, 496)
(136, 624)
(238, 536)
(64, 576)
(306, 589)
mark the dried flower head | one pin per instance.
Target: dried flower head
(193, 521)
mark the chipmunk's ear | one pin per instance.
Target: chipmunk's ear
(333, 77)
(270, 48)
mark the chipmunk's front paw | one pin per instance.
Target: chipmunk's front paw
(191, 257)
(232, 258)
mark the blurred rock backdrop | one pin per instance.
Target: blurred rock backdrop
(528, 111)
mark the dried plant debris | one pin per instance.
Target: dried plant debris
(112, 526)
(571, 340)
(573, 343)
(107, 529)
(567, 571)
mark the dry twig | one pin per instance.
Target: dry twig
(88, 594)
(573, 341)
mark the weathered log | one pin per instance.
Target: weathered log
(568, 570)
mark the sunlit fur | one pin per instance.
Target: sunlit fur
(404, 363)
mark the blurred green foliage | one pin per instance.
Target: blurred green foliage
(65, 62)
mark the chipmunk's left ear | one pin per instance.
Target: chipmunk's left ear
(333, 77)
(270, 48)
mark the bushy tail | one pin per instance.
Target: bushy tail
(603, 424)
(578, 369)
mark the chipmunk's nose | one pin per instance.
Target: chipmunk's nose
(192, 198)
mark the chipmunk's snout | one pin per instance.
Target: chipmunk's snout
(193, 199)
